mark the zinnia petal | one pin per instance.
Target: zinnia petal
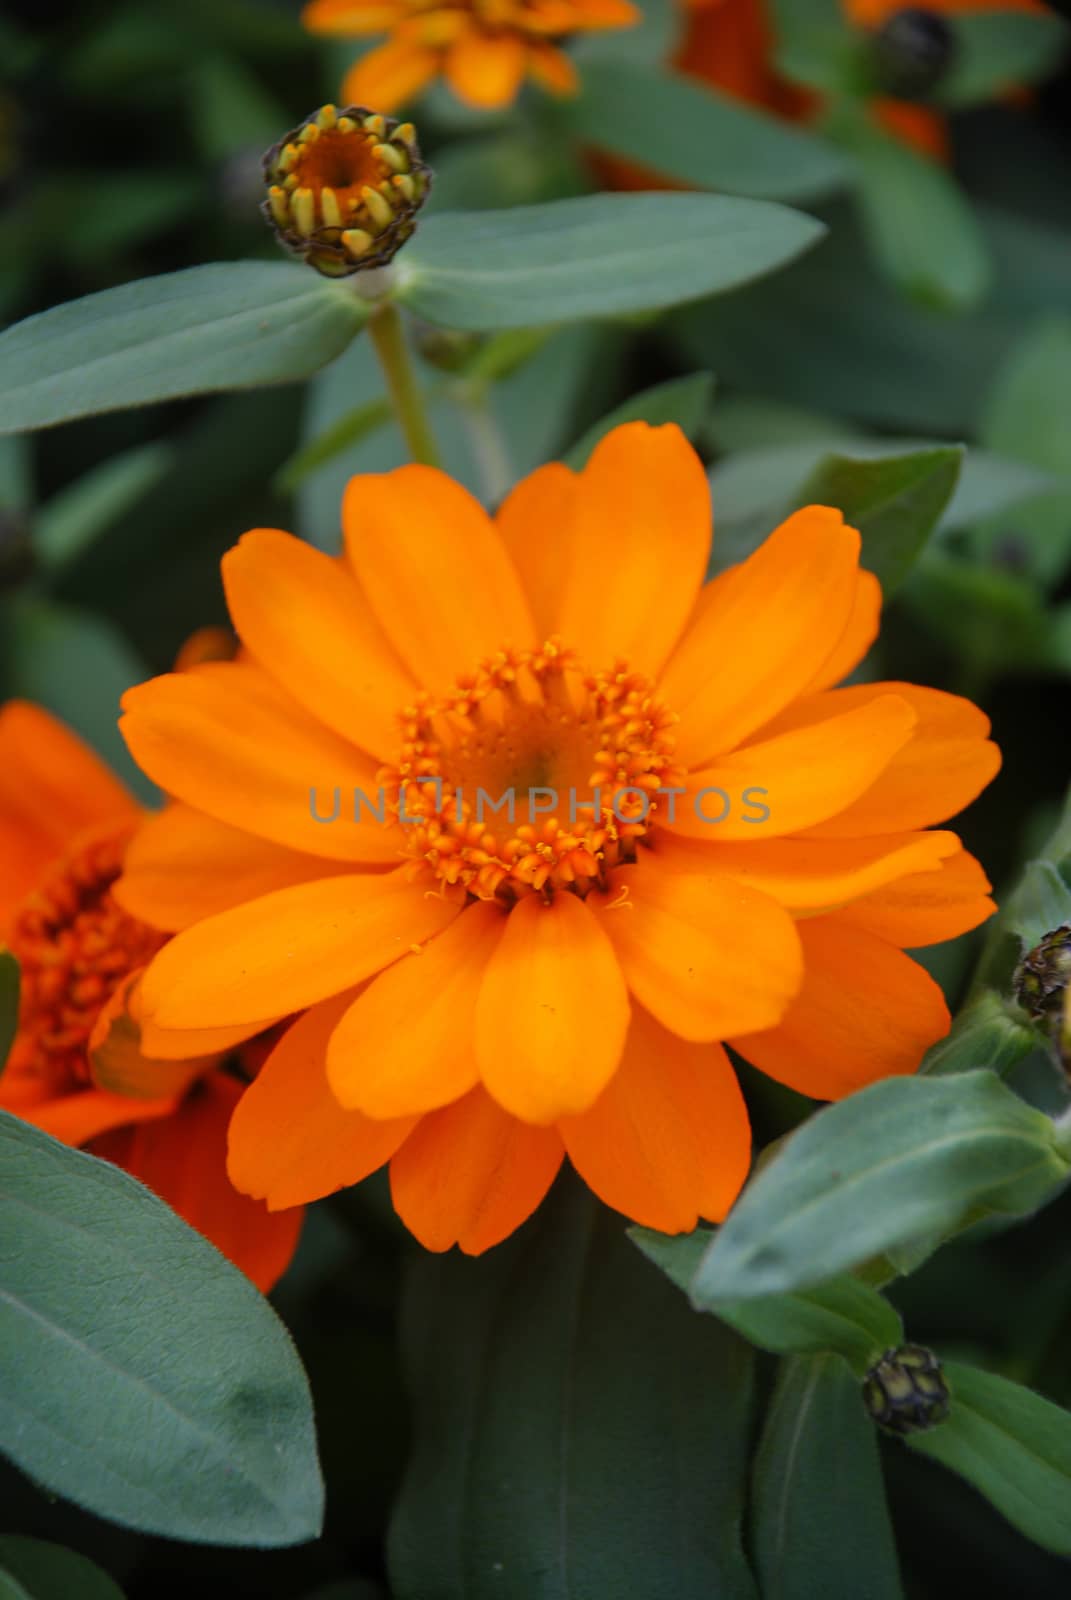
(290, 1141)
(182, 866)
(406, 1043)
(535, 523)
(183, 1159)
(926, 907)
(707, 956)
(809, 874)
(668, 1140)
(289, 950)
(390, 75)
(435, 570)
(764, 630)
(307, 624)
(859, 634)
(801, 777)
(553, 1010)
(470, 1173)
(226, 741)
(866, 1011)
(486, 70)
(640, 544)
(52, 785)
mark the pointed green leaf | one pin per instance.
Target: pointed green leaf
(144, 1377)
(899, 1159)
(894, 501)
(235, 325)
(66, 526)
(1013, 1445)
(689, 132)
(844, 1316)
(602, 255)
(684, 401)
(9, 1003)
(918, 221)
(989, 1032)
(42, 1571)
(819, 1523)
(579, 1431)
(1000, 50)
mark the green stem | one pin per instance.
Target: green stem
(388, 335)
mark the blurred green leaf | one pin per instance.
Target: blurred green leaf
(601, 256)
(232, 110)
(1000, 50)
(41, 1571)
(819, 1523)
(578, 1429)
(992, 619)
(234, 325)
(684, 401)
(509, 168)
(1013, 1445)
(844, 1316)
(901, 1158)
(16, 476)
(68, 523)
(918, 221)
(817, 46)
(145, 1377)
(76, 665)
(894, 501)
(117, 211)
(9, 1003)
(350, 429)
(686, 131)
(1028, 406)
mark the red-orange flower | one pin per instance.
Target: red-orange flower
(485, 49)
(485, 992)
(729, 44)
(76, 1069)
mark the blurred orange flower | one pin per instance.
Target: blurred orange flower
(485, 49)
(484, 994)
(76, 1069)
(729, 44)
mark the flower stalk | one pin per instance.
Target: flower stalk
(388, 335)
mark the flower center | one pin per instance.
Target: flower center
(534, 774)
(74, 946)
(343, 189)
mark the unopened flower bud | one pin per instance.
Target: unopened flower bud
(912, 52)
(906, 1392)
(344, 189)
(1042, 984)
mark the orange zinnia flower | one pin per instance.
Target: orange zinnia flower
(65, 823)
(484, 48)
(482, 996)
(729, 44)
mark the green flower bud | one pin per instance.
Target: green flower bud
(906, 1392)
(912, 52)
(1041, 983)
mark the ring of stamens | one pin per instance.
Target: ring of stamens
(74, 945)
(582, 753)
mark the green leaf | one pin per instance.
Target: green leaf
(1026, 413)
(9, 1003)
(817, 46)
(895, 502)
(901, 1158)
(579, 1431)
(41, 1571)
(819, 1523)
(349, 430)
(78, 666)
(68, 524)
(146, 1379)
(605, 255)
(684, 401)
(997, 51)
(989, 1032)
(919, 223)
(844, 1316)
(698, 136)
(235, 325)
(1014, 1446)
